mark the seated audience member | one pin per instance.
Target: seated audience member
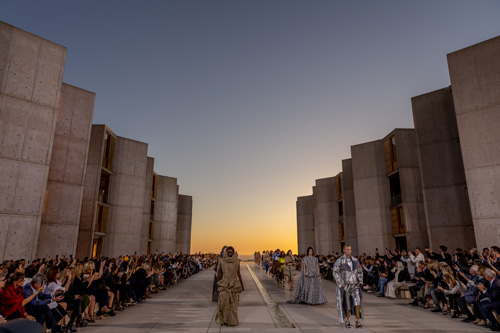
(492, 293)
(455, 290)
(470, 296)
(2, 284)
(38, 306)
(422, 277)
(442, 256)
(12, 301)
(401, 278)
(412, 260)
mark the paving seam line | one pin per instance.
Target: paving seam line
(281, 320)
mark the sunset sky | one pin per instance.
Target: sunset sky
(248, 102)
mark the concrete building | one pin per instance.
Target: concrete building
(372, 197)
(349, 227)
(127, 195)
(96, 192)
(63, 197)
(184, 220)
(305, 223)
(165, 215)
(147, 226)
(407, 208)
(444, 189)
(475, 82)
(31, 72)
(326, 216)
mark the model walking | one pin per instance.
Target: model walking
(309, 289)
(229, 286)
(349, 279)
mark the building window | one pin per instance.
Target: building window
(108, 153)
(398, 222)
(102, 218)
(391, 154)
(153, 190)
(338, 182)
(341, 232)
(104, 188)
(395, 189)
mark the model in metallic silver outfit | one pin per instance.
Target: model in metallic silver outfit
(348, 275)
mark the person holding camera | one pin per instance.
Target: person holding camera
(41, 302)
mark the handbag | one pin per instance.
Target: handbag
(58, 312)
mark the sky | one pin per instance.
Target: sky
(248, 102)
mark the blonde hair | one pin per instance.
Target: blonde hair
(450, 279)
(76, 270)
(89, 267)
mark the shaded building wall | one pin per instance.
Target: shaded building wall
(371, 190)
(446, 202)
(31, 72)
(126, 198)
(146, 207)
(411, 189)
(337, 220)
(61, 217)
(326, 215)
(184, 220)
(350, 228)
(165, 214)
(91, 191)
(305, 223)
(475, 83)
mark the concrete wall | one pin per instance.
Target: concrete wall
(146, 207)
(371, 190)
(411, 188)
(165, 215)
(350, 228)
(61, 216)
(305, 223)
(90, 191)
(184, 219)
(447, 208)
(31, 71)
(326, 215)
(126, 198)
(475, 82)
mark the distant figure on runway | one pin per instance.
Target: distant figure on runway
(309, 289)
(348, 275)
(229, 286)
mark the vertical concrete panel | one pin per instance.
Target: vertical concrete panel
(184, 220)
(305, 224)
(63, 202)
(371, 190)
(446, 202)
(90, 191)
(126, 198)
(146, 207)
(475, 82)
(31, 71)
(350, 228)
(166, 214)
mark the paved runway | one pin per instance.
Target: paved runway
(187, 307)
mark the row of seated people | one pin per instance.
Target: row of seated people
(465, 284)
(46, 290)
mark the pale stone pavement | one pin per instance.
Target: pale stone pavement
(187, 307)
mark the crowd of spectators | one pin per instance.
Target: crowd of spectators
(463, 285)
(47, 290)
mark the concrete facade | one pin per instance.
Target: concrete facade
(475, 82)
(305, 223)
(165, 214)
(372, 193)
(61, 216)
(350, 227)
(95, 205)
(326, 215)
(184, 220)
(148, 205)
(31, 72)
(127, 195)
(444, 189)
(414, 232)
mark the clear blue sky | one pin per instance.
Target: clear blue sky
(248, 102)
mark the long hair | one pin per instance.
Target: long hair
(16, 276)
(309, 248)
(52, 273)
